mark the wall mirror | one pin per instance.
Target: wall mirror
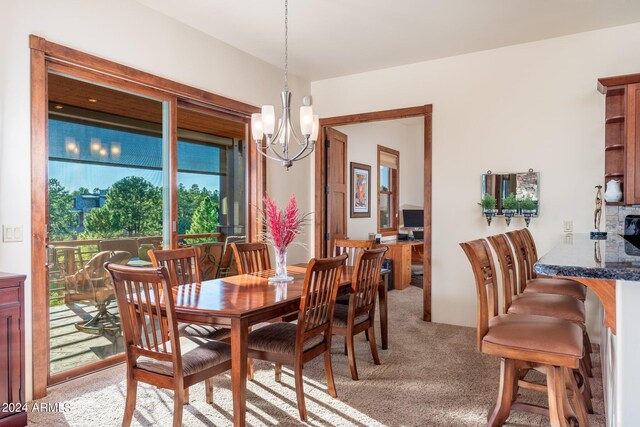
(522, 184)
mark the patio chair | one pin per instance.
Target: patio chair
(102, 294)
(227, 267)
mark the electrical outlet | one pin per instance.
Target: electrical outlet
(12, 233)
(568, 226)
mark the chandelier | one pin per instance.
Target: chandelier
(279, 144)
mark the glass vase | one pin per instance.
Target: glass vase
(281, 267)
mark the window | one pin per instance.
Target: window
(388, 173)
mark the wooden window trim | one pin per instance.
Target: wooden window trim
(47, 56)
(393, 192)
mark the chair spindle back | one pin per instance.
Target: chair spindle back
(352, 248)
(183, 264)
(365, 279)
(483, 268)
(141, 293)
(251, 257)
(318, 299)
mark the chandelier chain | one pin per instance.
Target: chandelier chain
(286, 45)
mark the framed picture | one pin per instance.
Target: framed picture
(360, 190)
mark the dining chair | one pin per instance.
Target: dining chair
(352, 248)
(251, 257)
(184, 268)
(554, 305)
(525, 342)
(156, 354)
(296, 344)
(358, 316)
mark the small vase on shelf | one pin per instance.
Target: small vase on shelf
(281, 267)
(614, 192)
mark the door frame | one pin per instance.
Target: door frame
(321, 180)
(46, 56)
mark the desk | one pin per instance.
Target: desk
(246, 300)
(401, 253)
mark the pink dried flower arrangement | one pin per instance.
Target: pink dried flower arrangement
(282, 225)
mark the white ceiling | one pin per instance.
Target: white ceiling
(329, 38)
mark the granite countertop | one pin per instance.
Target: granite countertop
(578, 256)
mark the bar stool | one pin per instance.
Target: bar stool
(528, 282)
(525, 342)
(552, 305)
(526, 251)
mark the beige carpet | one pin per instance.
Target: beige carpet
(430, 376)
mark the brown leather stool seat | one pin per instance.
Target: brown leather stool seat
(535, 337)
(557, 287)
(559, 306)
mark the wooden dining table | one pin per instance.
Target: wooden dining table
(245, 300)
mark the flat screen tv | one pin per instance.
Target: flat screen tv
(413, 218)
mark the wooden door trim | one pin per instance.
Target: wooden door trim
(46, 55)
(321, 179)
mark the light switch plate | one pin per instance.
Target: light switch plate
(11, 233)
(568, 226)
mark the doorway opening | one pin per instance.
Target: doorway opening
(332, 206)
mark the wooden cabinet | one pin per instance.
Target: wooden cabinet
(622, 134)
(401, 254)
(12, 350)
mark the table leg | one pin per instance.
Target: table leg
(239, 331)
(382, 297)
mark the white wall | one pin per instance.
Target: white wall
(527, 106)
(406, 136)
(131, 34)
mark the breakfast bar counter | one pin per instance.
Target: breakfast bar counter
(611, 269)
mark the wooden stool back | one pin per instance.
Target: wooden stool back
(508, 268)
(521, 252)
(251, 257)
(532, 252)
(183, 264)
(483, 268)
(352, 248)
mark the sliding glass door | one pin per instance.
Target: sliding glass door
(123, 162)
(108, 192)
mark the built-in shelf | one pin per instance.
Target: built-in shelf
(614, 147)
(615, 119)
(614, 175)
(620, 203)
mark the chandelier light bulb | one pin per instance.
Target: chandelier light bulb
(306, 120)
(268, 120)
(256, 126)
(316, 128)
